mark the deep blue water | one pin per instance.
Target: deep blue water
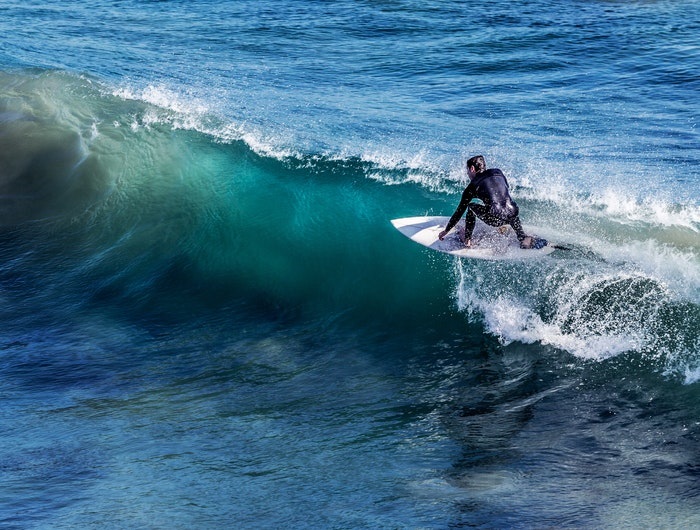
(209, 322)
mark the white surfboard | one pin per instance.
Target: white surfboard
(487, 242)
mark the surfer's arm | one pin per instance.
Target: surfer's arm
(459, 212)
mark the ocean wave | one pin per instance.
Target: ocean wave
(151, 195)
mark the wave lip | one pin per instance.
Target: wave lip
(47, 163)
(187, 112)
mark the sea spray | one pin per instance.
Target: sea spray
(591, 309)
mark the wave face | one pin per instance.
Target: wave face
(135, 202)
(126, 201)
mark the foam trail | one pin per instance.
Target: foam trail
(592, 309)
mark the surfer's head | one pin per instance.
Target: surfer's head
(475, 165)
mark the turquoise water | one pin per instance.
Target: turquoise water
(208, 320)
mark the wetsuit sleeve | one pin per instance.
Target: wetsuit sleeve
(467, 196)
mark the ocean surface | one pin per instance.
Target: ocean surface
(208, 320)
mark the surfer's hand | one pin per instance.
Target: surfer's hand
(442, 235)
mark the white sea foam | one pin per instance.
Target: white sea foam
(616, 205)
(593, 311)
(392, 168)
(389, 165)
(677, 268)
(691, 375)
(189, 112)
(513, 320)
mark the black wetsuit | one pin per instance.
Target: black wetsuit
(497, 208)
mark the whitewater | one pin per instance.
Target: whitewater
(208, 319)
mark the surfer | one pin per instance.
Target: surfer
(495, 206)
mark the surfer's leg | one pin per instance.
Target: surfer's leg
(482, 212)
(469, 222)
(525, 240)
(515, 223)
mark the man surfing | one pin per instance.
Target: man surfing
(495, 207)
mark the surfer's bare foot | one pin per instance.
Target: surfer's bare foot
(503, 229)
(468, 243)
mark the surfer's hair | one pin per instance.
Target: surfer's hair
(478, 162)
